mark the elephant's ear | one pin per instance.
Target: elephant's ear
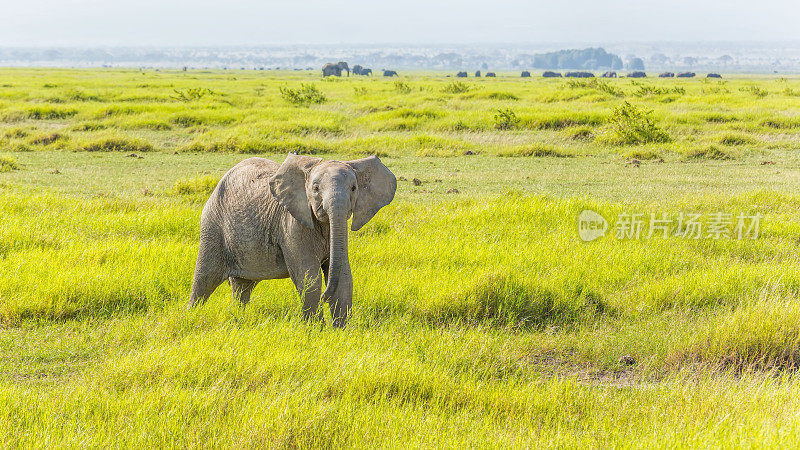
(288, 186)
(376, 187)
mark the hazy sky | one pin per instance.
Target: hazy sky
(250, 22)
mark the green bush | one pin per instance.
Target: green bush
(755, 90)
(305, 95)
(456, 87)
(632, 125)
(505, 119)
(191, 94)
(402, 87)
(7, 164)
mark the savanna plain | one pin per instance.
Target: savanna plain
(480, 317)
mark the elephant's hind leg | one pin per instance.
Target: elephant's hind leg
(241, 289)
(209, 272)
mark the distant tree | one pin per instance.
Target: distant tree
(726, 59)
(635, 64)
(587, 58)
(690, 60)
(659, 58)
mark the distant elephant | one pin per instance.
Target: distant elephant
(389, 73)
(713, 75)
(579, 75)
(637, 75)
(525, 74)
(550, 74)
(366, 71)
(685, 75)
(461, 74)
(357, 69)
(335, 69)
(477, 73)
(266, 220)
(490, 74)
(609, 75)
(666, 75)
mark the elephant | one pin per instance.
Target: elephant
(266, 220)
(389, 73)
(579, 75)
(666, 75)
(685, 75)
(366, 71)
(357, 69)
(461, 75)
(335, 69)
(609, 75)
(525, 74)
(477, 74)
(713, 75)
(490, 74)
(551, 74)
(637, 75)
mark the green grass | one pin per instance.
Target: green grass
(480, 318)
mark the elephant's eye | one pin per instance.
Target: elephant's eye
(316, 188)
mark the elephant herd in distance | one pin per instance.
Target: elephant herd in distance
(477, 74)
(336, 69)
(637, 74)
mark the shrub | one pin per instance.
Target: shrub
(594, 83)
(647, 89)
(755, 90)
(190, 94)
(305, 95)
(402, 87)
(505, 119)
(116, 144)
(632, 125)
(456, 87)
(7, 164)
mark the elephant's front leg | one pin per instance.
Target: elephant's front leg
(308, 281)
(342, 300)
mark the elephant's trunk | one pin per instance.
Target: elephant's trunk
(338, 250)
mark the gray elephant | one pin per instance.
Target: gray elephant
(266, 220)
(335, 69)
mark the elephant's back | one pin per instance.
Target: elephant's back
(248, 220)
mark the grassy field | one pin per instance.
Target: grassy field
(480, 317)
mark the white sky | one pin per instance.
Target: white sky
(252, 22)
